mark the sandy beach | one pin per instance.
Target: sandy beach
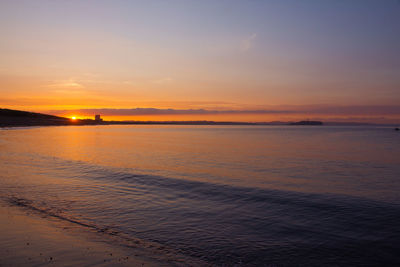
(27, 239)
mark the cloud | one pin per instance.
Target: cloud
(247, 43)
(156, 111)
(72, 84)
(352, 110)
(306, 110)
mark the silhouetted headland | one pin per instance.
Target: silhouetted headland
(17, 118)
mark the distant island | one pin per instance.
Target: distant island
(307, 123)
(17, 118)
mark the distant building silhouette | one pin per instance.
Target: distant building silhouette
(97, 118)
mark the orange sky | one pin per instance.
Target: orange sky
(76, 55)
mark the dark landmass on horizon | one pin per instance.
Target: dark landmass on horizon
(17, 118)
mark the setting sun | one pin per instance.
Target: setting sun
(73, 118)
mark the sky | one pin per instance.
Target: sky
(252, 60)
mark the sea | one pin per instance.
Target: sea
(217, 195)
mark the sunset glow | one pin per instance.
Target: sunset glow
(261, 55)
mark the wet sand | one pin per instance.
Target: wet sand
(30, 240)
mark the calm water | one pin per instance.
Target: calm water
(250, 196)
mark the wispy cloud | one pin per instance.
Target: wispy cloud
(247, 43)
(66, 84)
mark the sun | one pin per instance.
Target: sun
(73, 118)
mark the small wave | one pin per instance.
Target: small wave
(29, 204)
(222, 224)
(153, 249)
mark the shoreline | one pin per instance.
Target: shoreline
(194, 123)
(32, 239)
(93, 123)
